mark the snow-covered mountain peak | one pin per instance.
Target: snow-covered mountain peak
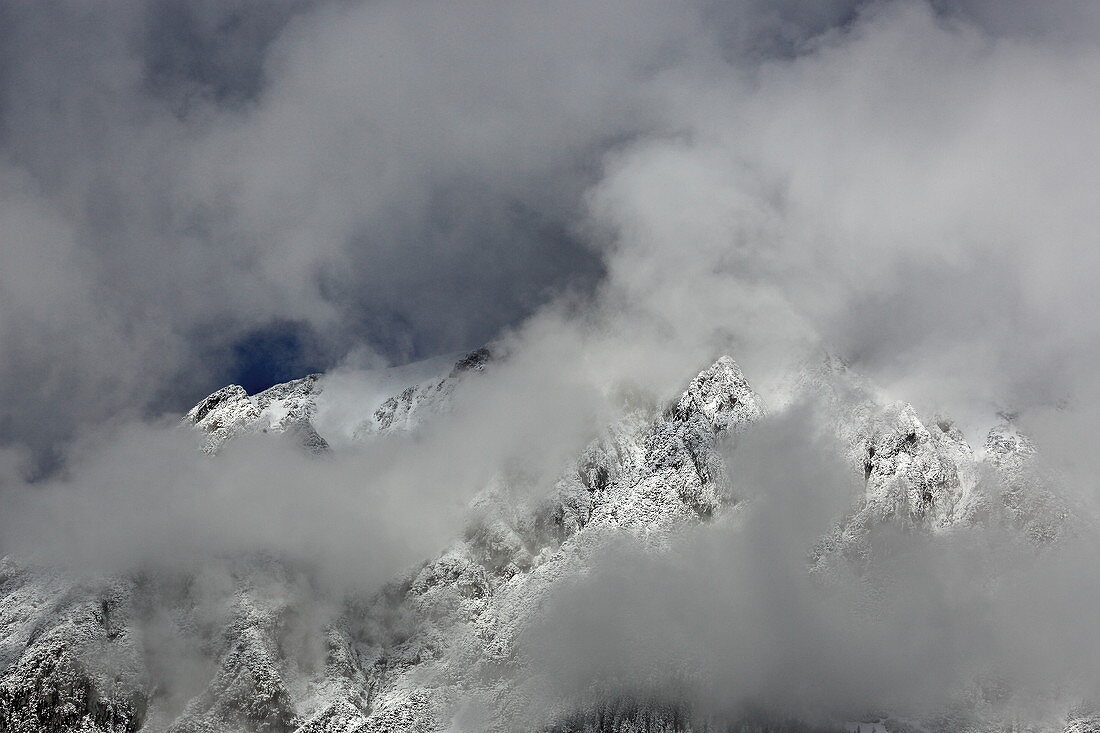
(297, 407)
(222, 415)
(283, 408)
(1006, 446)
(475, 361)
(405, 411)
(721, 394)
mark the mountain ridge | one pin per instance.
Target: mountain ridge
(412, 656)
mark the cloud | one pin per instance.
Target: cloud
(138, 495)
(728, 623)
(414, 179)
(910, 189)
(376, 172)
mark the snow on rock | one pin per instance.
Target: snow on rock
(924, 475)
(912, 473)
(721, 395)
(249, 690)
(1027, 499)
(442, 640)
(650, 473)
(1083, 721)
(404, 411)
(70, 659)
(647, 470)
(291, 408)
(284, 408)
(223, 415)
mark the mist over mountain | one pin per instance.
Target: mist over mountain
(587, 366)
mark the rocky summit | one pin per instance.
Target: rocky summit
(438, 648)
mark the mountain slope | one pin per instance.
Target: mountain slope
(291, 408)
(442, 642)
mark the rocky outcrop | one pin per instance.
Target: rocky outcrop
(649, 470)
(285, 408)
(249, 690)
(1025, 497)
(651, 473)
(290, 408)
(923, 475)
(404, 412)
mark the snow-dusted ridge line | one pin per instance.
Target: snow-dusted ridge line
(652, 473)
(292, 407)
(231, 412)
(404, 411)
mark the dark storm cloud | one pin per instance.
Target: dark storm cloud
(404, 177)
(195, 51)
(179, 176)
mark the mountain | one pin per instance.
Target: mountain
(285, 408)
(442, 642)
(925, 476)
(291, 408)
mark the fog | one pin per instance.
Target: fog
(731, 621)
(614, 194)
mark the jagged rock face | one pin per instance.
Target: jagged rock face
(74, 657)
(475, 361)
(650, 473)
(720, 395)
(1083, 721)
(284, 408)
(404, 411)
(914, 474)
(249, 691)
(1027, 501)
(646, 472)
(223, 415)
(925, 476)
(290, 408)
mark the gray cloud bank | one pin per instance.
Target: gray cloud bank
(913, 184)
(910, 182)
